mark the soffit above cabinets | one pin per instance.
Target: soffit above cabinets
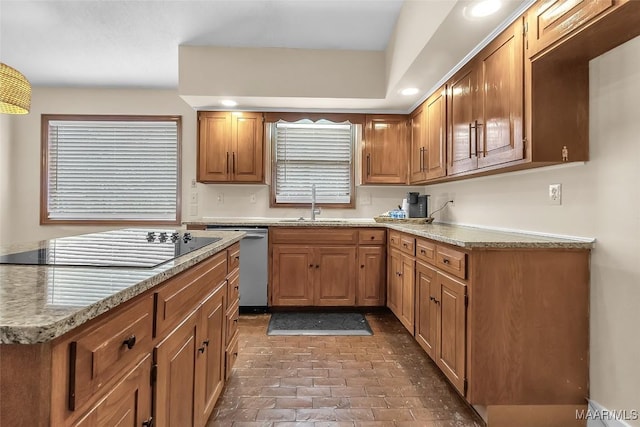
(348, 54)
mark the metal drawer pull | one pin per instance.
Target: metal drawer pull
(130, 342)
(446, 261)
(148, 422)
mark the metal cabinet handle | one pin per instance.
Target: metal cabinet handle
(227, 162)
(148, 422)
(130, 342)
(470, 153)
(368, 164)
(362, 266)
(477, 127)
(423, 252)
(233, 162)
(317, 265)
(205, 343)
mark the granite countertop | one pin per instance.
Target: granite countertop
(40, 303)
(462, 236)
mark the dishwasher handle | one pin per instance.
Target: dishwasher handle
(254, 236)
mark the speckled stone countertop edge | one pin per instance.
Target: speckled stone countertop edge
(42, 333)
(457, 235)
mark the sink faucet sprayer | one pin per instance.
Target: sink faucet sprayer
(314, 211)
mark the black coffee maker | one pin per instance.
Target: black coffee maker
(417, 205)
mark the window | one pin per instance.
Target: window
(110, 169)
(306, 153)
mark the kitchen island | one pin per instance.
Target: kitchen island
(87, 345)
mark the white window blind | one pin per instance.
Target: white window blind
(113, 169)
(313, 153)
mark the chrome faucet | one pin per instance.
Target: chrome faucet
(314, 211)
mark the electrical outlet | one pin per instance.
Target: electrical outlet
(193, 183)
(555, 194)
(194, 197)
(220, 198)
(252, 198)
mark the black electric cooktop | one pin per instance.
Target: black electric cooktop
(138, 248)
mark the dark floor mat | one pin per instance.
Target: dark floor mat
(314, 323)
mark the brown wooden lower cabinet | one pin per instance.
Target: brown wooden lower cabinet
(506, 326)
(175, 358)
(338, 271)
(451, 343)
(401, 291)
(372, 275)
(126, 404)
(117, 368)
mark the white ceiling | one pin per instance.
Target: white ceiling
(105, 43)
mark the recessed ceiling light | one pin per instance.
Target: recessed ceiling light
(485, 8)
(228, 103)
(410, 91)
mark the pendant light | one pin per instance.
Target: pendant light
(15, 91)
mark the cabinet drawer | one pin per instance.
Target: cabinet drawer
(233, 288)
(233, 314)
(426, 251)
(106, 350)
(408, 244)
(372, 237)
(394, 239)
(233, 257)
(452, 261)
(316, 235)
(231, 356)
(181, 294)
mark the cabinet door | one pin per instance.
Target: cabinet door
(550, 20)
(452, 313)
(128, 404)
(426, 308)
(418, 146)
(175, 358)
(394, 285)
(247, 132)
(462, 93)
(371, 276)
(385, 150)
(210, 354)
(293, 269)
(435, 135)
(499, 132)
(214, 146)
(407, 284)
(335, 276)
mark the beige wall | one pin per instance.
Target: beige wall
(5, 175)
(601, 199)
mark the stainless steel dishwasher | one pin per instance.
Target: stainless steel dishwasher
(254, 274)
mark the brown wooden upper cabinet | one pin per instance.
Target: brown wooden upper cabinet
(384, 158)
(549, 21)
(230, 147)
(428, 139)
(485, 106)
